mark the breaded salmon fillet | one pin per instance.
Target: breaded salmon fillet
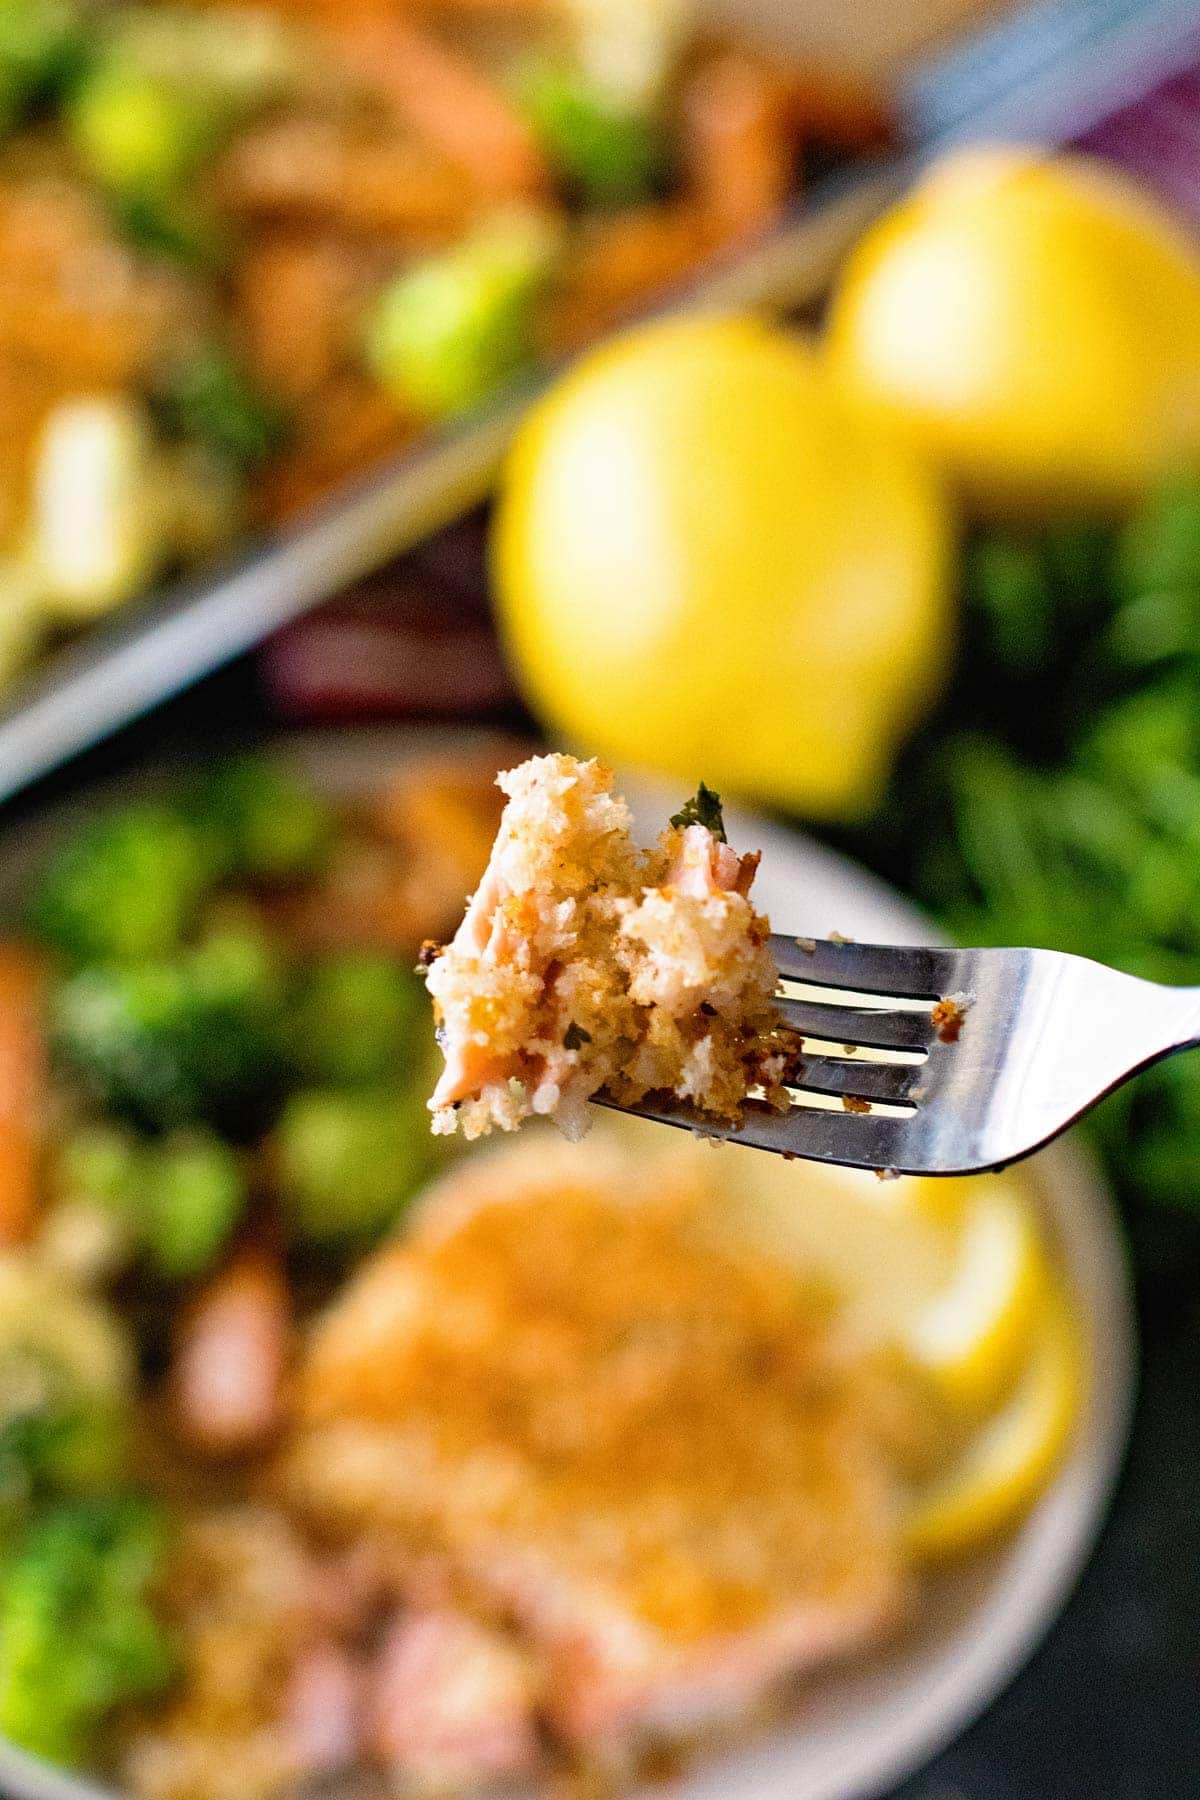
(639, 1449)
(585, 963)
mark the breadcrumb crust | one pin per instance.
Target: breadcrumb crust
(584, 963)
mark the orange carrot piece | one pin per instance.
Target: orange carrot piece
(22, 1089)
(740, 147)
(232, 1357)
(305, 171)
(622, 262)
(348, 425)
(838, 107)
(450, 102)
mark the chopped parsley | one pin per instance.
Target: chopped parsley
(703, 809)
(576, 1037)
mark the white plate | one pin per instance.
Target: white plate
(859, 1731)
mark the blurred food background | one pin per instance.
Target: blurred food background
(908, 559)
(251, 250)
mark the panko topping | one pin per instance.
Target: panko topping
(585, 964)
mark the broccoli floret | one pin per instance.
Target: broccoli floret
(356, 1021)
(42, 44)
(348, 1162)
(125, 886)
(173, 1200)
(209, 398)
(79, 1635)
(606, 153)
(260, 821)
(138, 132)
(174, 225)
(451, 331)
(66, 1376)
(191, 1039)
(54, 1439)
(89, 1225)
(98, 1165)
(193, 1193)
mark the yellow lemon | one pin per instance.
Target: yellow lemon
(1033, 322)
(969, 1335)
(1012, 1455)
(708, 563)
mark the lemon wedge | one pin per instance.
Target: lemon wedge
(1008, 1461)
(969, 1336)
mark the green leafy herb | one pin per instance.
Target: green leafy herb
(210, 398)
(576, 1037)
(1056, 800)
(704, 808)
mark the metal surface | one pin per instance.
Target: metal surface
(1041, 1037)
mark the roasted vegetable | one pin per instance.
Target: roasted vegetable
(124, 886)
(66, 1384)
(260, 821)
(605, 153)
(193, 1196)
(42, 43)
(179, 1041)
(209, 398)
(347, 1163)
(173, 1201)
(359, 1019)
(98, 532)
(78, 1632)
(451, 331)
(136, 132)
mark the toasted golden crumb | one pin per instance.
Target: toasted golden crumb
(648, 1450)
(584, 963)
(948, 1016)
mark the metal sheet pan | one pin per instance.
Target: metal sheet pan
(1043, 74)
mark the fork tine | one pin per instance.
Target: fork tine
(918, 974)
(858, 1025)
(892, 1082)
(860, 1140)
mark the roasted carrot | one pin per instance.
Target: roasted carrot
(321, 174)
(299, 302)
(231, 1358)
(837, 106)
(448, 101)
(347, 426)
(22, 1089)
(740, 144)
(622, 262)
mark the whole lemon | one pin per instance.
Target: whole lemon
(706, 562)
(1033, 321)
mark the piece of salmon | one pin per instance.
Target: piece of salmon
(451, 1703)
(637, 1447)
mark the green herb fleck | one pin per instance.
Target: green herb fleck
(576, 1037)
(704, 808)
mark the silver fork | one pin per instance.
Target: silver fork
(950, 1062)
